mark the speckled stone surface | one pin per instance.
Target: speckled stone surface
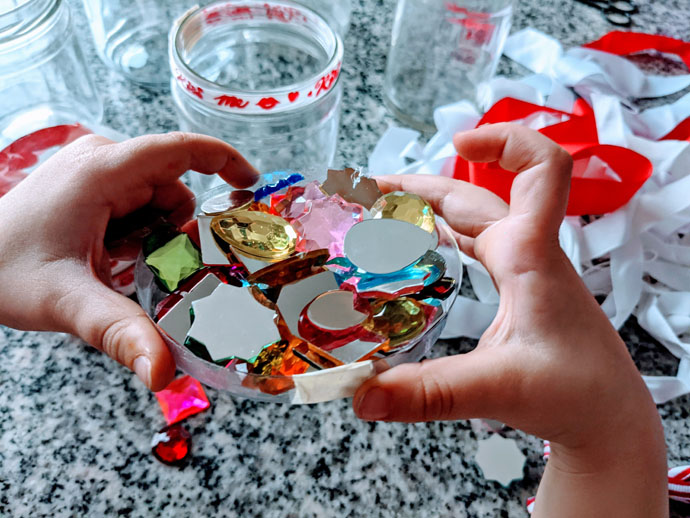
(75, 427)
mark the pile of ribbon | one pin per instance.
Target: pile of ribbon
(627, 231)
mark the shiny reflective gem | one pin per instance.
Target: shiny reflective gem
(280, 203)
(250, 263)
(191, 228)
(334, 311)
(278, 360)
(211, 252)
(171, 445)
(276, 181)
(294, 297)
(256, 234)
(298, 199)
(326, 223)
(159, 236)
(177, 321)
(230, 323)
(359, 350)
(392, 289)
(441, 290)
(273, 369)
(405, 206)
(175, 261)
(290, 270)
(334, 319)
(226, 202)
(383, 246)
(258, 206)
(433, 264)
(399, 319)
(322, 358)
(182, 398)
(353, 186)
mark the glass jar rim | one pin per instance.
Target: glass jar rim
(238, 100)
(23, 18)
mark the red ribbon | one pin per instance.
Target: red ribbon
(23, 154)
(623, 43)
(578, 135)
(680, 132)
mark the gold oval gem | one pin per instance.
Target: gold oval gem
(405, 206)
(399, 319)
(256, 234)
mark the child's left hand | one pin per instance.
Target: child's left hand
(54, 271)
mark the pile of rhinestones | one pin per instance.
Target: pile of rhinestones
(298, 276)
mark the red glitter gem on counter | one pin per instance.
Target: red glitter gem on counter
(184, 397)
(171, 445)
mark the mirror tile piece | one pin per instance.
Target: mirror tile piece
(295, 297)
(230, 323)
(382, 246)
(500, 459)
(352, 186)
(177, 321)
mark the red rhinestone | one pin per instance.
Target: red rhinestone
(172, 444)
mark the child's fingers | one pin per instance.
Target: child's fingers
(455, 387)
(541, 187)
(119, 327)
(468, 209)
(171, 196)
(160, 159)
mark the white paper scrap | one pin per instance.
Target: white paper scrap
(329, 384)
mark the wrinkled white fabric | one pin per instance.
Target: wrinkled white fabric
(638, 257)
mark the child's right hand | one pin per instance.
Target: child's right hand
(551, 363)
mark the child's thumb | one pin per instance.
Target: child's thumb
(119, 327)
(455, 387)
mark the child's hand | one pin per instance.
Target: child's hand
(550, 363)
(54, 270)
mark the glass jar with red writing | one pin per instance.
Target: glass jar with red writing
(261, 75)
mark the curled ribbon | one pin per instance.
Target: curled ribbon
(636, 256)
(578, 135)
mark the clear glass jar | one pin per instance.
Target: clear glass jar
(44, 80)
(131, 36)
(262, 76)
(336, 12)
(441, 51)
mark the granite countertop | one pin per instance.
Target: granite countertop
(75, 427)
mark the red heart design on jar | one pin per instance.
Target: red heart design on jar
(292, 96)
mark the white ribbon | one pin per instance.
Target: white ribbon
(637, 257)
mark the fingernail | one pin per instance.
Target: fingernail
(142, 368)
(374, 405)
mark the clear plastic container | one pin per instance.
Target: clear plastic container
(263, 76)
(440, 53)
(44, 80)
(240, 383)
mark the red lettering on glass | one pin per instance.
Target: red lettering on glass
(231, 101)
(283, 14)
(195, 90)
(234, 13)
(327, 81)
